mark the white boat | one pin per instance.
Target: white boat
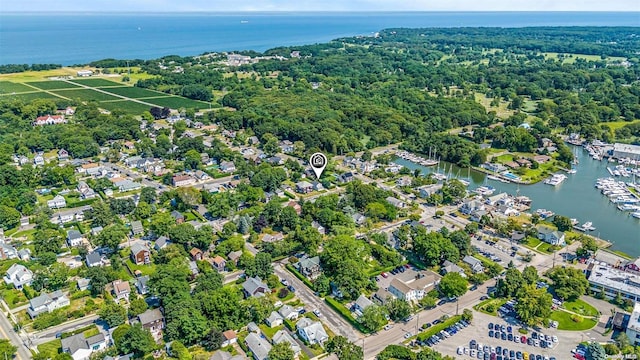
(636, 214)
(464, 182)
(493, 177)
(572, 171)
(556, 179)
(588, 226)
(485, 190)
(628, 207)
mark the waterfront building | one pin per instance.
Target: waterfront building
(622, 151)
(633, 328)
(613, 282)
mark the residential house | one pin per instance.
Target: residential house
(253, 327)
(258, 346)
(49, 120)
(396, 202)
(316, 225)
(121, 290)
(152, 320)
(193, 268)
(518, 236)
(95, 259)
(309, 267)
(183, 180)
(81, 348)
(230, 337)
(359, 219)
(469, 206)
(475, 264)
(361, 304)
(18, 276)
(63, 155)
(304, 187)
(161, 243)
(253, 140)
(270, 238)
(141, 284)
(541, 159)
(140, 254)
(57, 202)
(495, 167)
(127, 185)
(91, 169)
(413, 288)
(85, 191)
(255, 287)
(317, 186)
(288, 312)
(224, 355)
(23, 254)
(96, 230)
(448, 267)
(46, 303)
(227, 167)
(196, 254)
(275, 160)
(74, 238)
(136, 228)
(274, 319)
(295, 206)
(84, 284)
(234, 256)
(551, 236)
(477, 215)
(201, 175)
(311, 331)
(345, 178)
(219, 263)
(177, 215)
(283, 336)
(24, 221)
(404, 181)
(425, 191)
(7, 251)
(286, 146)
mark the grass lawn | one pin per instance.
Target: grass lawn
(41, 75)
(572, 59)
(145, 269)
(484, 306)
(50, 348)
(133, 92)
(85, 95)
(581, 307)
(96, 82)
(14, 298)
(566, 323)
(26, 233)
(127, 106)
(268, 331)
(532, 242)
(32, 96)
(614, 125)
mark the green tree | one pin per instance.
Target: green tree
(374, 317)
(344, 349)
(398, 309)
(595, 351)
(179, 351)
(569, 283)
(143, 210)
(213, 339)
(7, 350)
(534, 305)
(148, 195)
(281, 351)
(563, 223)
(113, 314)
(453, 285)
(111, 236)
(136, 340)
(137, 306)
(9, 217)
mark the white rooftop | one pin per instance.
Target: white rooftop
(634, 320)
(612, 278)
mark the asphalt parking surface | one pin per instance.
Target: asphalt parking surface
(479, 331)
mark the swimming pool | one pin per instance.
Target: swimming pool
(511, 176)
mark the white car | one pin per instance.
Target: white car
(555, 339)
(473, 353)
(516, 339)
(460, 350)
(408, 335)
(317, 313)
(388, 326)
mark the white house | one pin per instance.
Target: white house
(227, 167)
(283, 336)
(274, 319)
(311, 331)
(551, 236)
(18, 275)
(361, 304)
(288, 312)
(412, 286)
(57, 202)
(46, 303)
(258, 346)
(475, 264)
(81, 348)
(74, 238)
(469, 206)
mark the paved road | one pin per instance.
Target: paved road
(312, 302)
(6, 332)
(50, 333)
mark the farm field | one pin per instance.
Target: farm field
(28, 96)
(8, 87)
(85, 95)
(52, 85)
(96, 82)
(133, 92)
(127, 106)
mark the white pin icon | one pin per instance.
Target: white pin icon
(318, 162)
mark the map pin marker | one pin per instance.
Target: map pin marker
(318, 162)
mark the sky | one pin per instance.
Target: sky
(316, 5)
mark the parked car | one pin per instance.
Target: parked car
(388, 326)
(408, 335)
(317, 313)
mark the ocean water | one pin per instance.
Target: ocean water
(78, 38)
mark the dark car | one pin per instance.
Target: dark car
(436, 321)
(534, 335)
(510, 337)
(490, 326)
(425, 326)
(509, 329)
(484, 297)
(529, 341)
(302, 311)
(503, 336)
(474, 288)
(505, 352)
(512, 353)
(441, 302)
(490, 333)
(291, 288)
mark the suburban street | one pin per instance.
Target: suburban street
(6, 330)
(312, 302)
(50, 333)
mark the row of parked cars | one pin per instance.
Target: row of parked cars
(444, 334)
(486, 352)
(505, 332)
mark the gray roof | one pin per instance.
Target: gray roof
(273, 317)
(258, 346)
(74, 234)
(93, 258)
(282, 336)
(150, 316)
(471, 260)
(224, 355)
(76, 342)
(39, 301)
(448, 267)
(141, 282)
(253, 284)
(310, 262)
(136, 226)
(137, 247)
(286, 310)
(161, 242)
(363, 302)
(177, 214)
(253, 327)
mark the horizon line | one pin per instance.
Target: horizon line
(302, 11)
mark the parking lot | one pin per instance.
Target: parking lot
(479, 331)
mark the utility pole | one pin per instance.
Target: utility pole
(457, 304)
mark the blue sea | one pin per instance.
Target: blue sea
(79, 38)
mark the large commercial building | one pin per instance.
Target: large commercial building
(622, 151)
(613, 281)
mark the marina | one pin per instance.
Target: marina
(575, 198)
